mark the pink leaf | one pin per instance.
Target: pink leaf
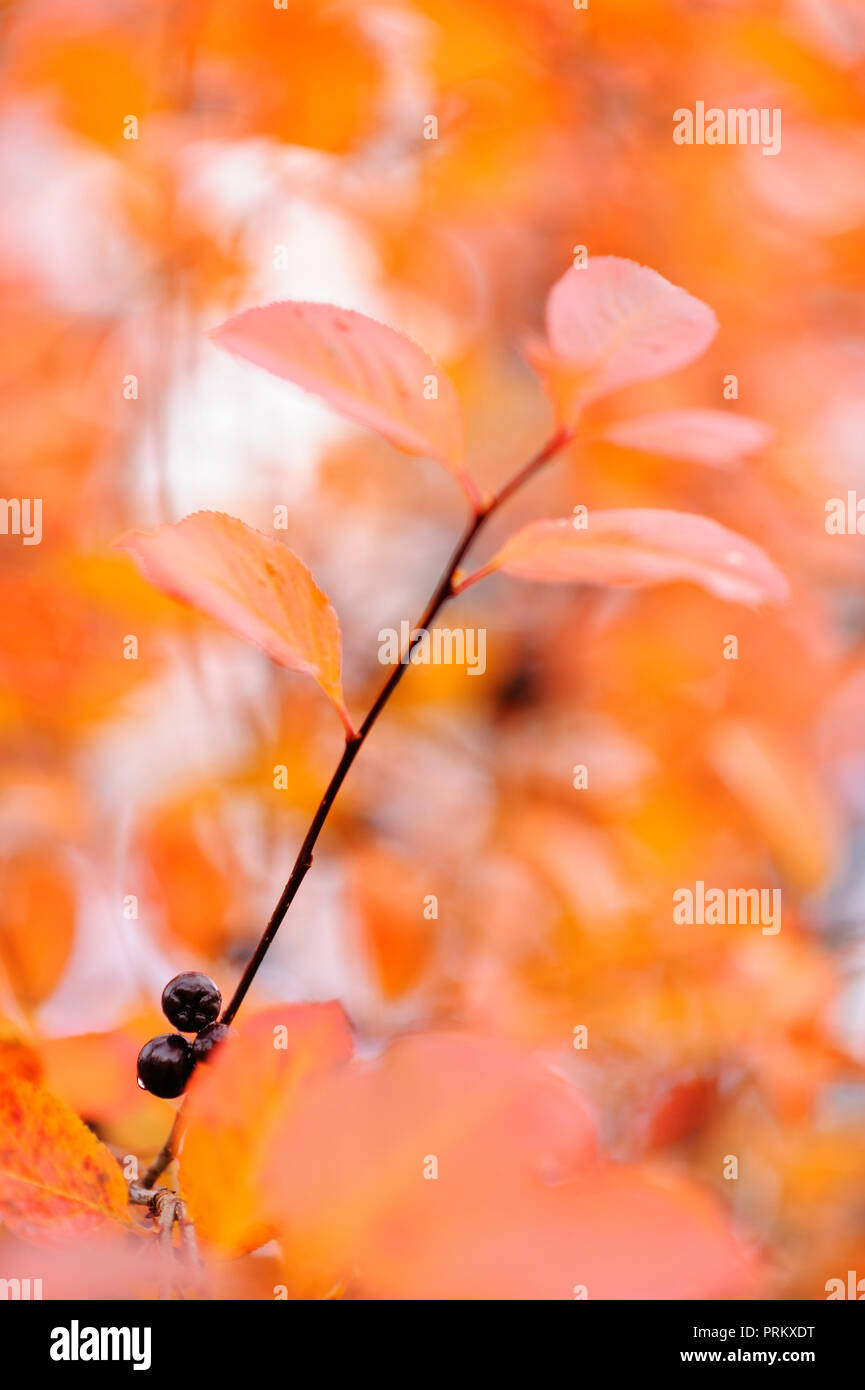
(457, 1167)
(615, 322)
(250, 582)
(365, 370)
(345, 1176)
(634, 548)
(714, 437)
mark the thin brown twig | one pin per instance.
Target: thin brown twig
(444, 591)
(164, 1211)
(167, 1209)
(189, 1252)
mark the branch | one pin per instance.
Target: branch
(443, 592)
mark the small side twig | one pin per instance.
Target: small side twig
(164, 1204)
(189, 1248)
(167, 1209)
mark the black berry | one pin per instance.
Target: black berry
(208, 1039)
(164, 1065)
(190, 1001)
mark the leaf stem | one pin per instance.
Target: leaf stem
(563, 435)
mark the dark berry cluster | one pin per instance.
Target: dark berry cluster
(191, 1001)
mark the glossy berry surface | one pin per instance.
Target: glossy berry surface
(164, 1065)
(190, 1001)
(208, 1039)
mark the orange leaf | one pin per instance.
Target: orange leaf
(622, 1233)
(365, 370)
(677, 1109)
(17, 1056)
(346, 1169)
(713, 437)
(57, 1182)
(94, 1074)
(784, 797)
(250, 582)
(193, 882)
(612, 323)
(636, 547)
(37, 923)
(458, 1167)
(233, 1103)
(388, 889)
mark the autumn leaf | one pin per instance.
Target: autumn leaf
(345, 1169)
(253, 54)
(288, 149)
(94, 1074)
(459, 1167)
(399, 941)
(622, 1233)
(637, 547)
(18, 1057)
(37, 922)
(677, 1108)
(193, 886)
(233, 1103)
(250, 582)
(716, 438)
(367, 371)
(611, 323)
(784, 797)
(57, 1182)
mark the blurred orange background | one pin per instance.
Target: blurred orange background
(165, 164)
